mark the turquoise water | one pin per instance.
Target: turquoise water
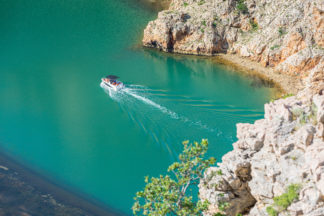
(56, 119)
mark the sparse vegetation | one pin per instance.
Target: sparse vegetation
(282, 97)
(313, 114)
(202, 30)
(203, 22)
(293, 158)
(298, 113)
(219, 172)
(241, 6)
(185, 4)
(201, 2)
(271, 211)
(285, 200)
(254, 25)
(223, 206)
(282, 202)
(281, 31)
(287, 96)
(210, 176)
(275, 47)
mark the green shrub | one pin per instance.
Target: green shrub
(281, 31)
(185, 4)
(271, 211)
(287, 198)
(223, 206)
(203, 23)
(241, 6)
(201, 2)
(202, 30)
(254, 25)
(274, 47)
(282, 202)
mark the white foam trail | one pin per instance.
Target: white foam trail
(169, 112)
(149, 102)
(117, 95)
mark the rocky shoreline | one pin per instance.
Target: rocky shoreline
(286, 36)
(155, 4)
(284, 83)
(25, 193)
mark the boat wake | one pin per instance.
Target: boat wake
(153, 104)
(164, 125)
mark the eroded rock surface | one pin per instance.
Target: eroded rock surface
(284, 148)
(286, 35)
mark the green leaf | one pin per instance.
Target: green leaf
(170, 195)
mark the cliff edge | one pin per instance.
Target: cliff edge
(277, 165)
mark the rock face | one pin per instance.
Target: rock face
(284, 148)
(287, 35)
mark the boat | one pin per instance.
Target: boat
(112, 83)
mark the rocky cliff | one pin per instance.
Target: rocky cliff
(277, 165)
(287, 35)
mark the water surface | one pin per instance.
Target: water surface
(55, 118)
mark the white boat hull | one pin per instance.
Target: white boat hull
(112, 87)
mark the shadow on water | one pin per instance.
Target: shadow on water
(152, 5)
(29, 191)
(190, 61)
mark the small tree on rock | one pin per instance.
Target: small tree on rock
(168, 195)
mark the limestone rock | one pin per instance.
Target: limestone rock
(286, 35)
(291, 153)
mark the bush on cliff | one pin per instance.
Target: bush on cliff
(282, 202)
(170, 194)
(241, 6)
